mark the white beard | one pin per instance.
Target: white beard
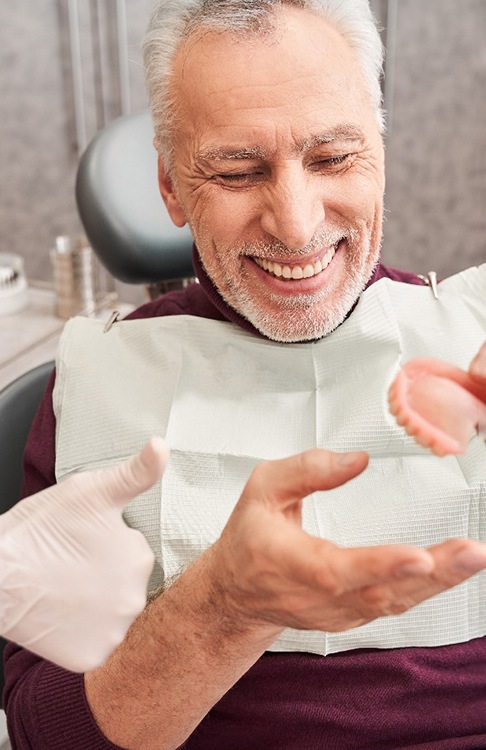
(303, 317)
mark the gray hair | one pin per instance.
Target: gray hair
(173, 21)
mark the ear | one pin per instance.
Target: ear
(166, 187)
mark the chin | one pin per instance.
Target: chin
(303, 318)
(305, 315)
(289, 330)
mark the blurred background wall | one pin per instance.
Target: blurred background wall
(435, 93)
(70, 66)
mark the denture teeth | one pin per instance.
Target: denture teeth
(308, 271)
(296, 272)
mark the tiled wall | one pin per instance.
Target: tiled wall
(436, 148)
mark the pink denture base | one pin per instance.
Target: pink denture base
(440, 405)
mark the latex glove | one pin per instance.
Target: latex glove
(73, 575)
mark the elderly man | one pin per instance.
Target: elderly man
(271, 625)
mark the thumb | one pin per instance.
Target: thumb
(478, 366)
(288, 480)
(122, 483)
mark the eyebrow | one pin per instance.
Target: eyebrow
(340, 133)
(224, 154)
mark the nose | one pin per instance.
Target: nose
(293, 207)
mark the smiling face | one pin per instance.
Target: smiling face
(278, 169)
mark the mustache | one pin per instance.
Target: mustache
(274, 247)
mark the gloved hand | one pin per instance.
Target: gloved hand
(73, 575)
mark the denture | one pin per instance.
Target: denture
(295, 271)
(438, 404)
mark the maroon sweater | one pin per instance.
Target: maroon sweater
(428, 698)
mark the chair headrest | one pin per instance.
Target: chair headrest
(121, 209)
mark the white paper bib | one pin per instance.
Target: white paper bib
(225, 400)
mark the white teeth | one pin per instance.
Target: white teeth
(297, 272)
(308, 271)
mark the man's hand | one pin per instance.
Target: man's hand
(264, 573)
(477, 367)
(477, 370)
(271, 571)
(73, 576)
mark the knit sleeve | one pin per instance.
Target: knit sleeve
(40, 450)
(46, 706)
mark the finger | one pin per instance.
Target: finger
(478, 366)
(454, 562)
(288, 480)
(122, 483)
(358, 567)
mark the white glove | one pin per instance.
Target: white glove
(73, 575)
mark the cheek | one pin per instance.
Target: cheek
(217, 230)
(228, 216)
(362, 200)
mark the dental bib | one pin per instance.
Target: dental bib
(226, 400)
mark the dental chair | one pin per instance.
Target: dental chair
(18, 404)
(123, 214)
(129, 229)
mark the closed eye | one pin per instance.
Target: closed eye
(239, 179)
(332, 163)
